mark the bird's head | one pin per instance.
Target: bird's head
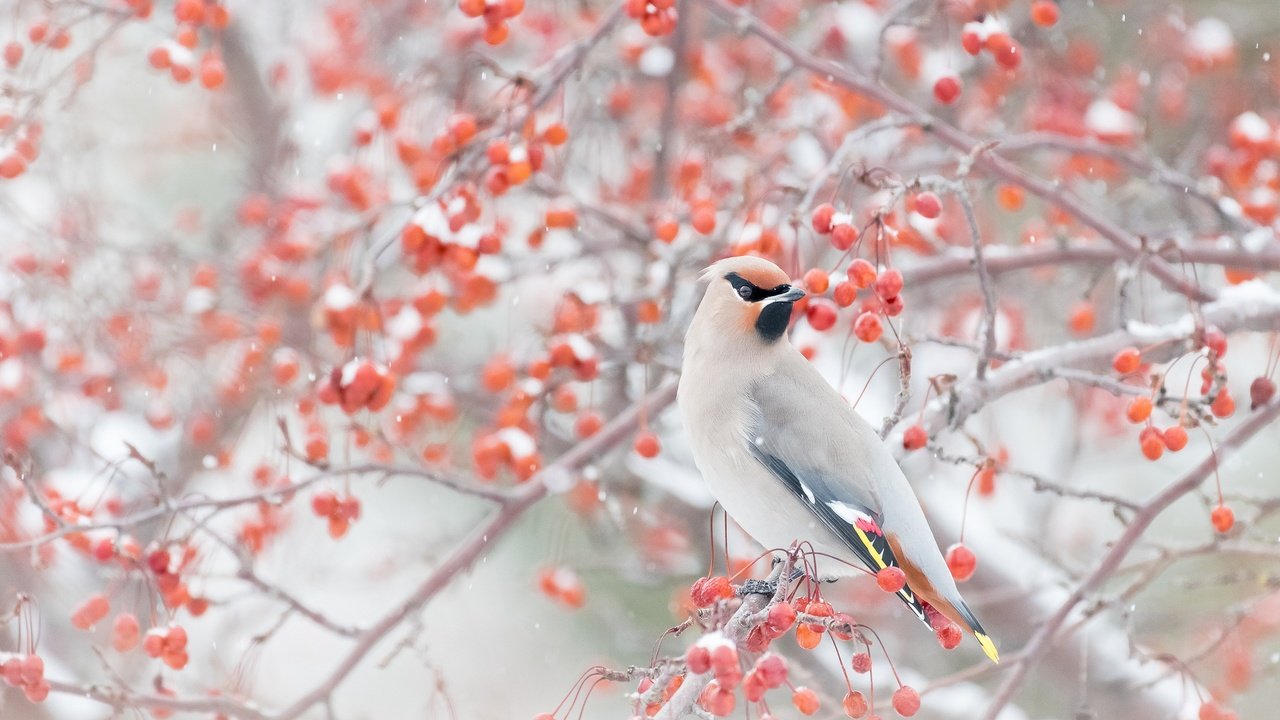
(749, 297)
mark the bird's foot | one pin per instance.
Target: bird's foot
(766, 587)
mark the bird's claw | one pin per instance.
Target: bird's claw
(766, 587)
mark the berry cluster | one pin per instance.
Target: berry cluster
(26, 672)
(359, 384)
(496, 13)
(340, 512)
(168, 644)
(657, 17)
(812, 619)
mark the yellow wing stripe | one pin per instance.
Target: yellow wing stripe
(871, 547)
(988, 647)
(875, 555)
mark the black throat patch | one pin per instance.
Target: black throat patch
(773, 321)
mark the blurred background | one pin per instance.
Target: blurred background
(339, 336)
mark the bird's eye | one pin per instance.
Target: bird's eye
(744, 291)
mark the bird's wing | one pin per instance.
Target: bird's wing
(835, 464)
(812, 442)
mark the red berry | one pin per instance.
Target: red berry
(928, 205)
(698, 659)
(906, 701)
(1139, 409)
(772, 670)
(37, 691)
(891, 579)
(855, 704)
(816, 281)
(1261, 391)
(867, 327)
(706, 591)
(821, 218)
(32, 669)
(1127, 360)
(862, 274)
(807, 637)
(1044, 13)
(1215, 341)
(1005, 50)
(13, 53)
(324, 503)
(947, 88)
(861, 663)
(124, 635)
(821, 316)
(1083, 318)
(915, 438)
(805, 700)
(1223, 405)
(949, 636)
(1175, 438)
(91, 611)
(647, 445)
(961, 561)
(753, 687)
(587, 424)
(716, 700)
(1223, 519)
(843, 236)
(781, 617)
(1152, 444)
(889, 284)
(12, 165)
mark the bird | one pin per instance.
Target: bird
(788, 458)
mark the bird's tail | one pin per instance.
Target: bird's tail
(975, 627)
(926, 613)
(877, 553)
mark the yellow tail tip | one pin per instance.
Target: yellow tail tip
(988, 647)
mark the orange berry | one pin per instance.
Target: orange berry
(1083, 318)
(961, 562)
(891, 579)
(1127, 361)
(555, 134)
(1152, 445)
(704, 219)
(805, 700)
(914, 438)
(862, 274)
(647, 445)
(844, 294)
(843, 236)
(1223, 519)
(1139, 409)
(1175, 438)
(12, 166)
(1009, 197)
(807, 637)
(1044, 13)
(496, 34)
(821, 218)
(648, 312)
(1223, 405)
(906, 701)
(867, 327)
(817, 281)
(498, 374)
(587, 424)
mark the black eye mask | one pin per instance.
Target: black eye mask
(749, 292)
(774, 318)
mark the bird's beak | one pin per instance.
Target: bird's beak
(789, 296)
